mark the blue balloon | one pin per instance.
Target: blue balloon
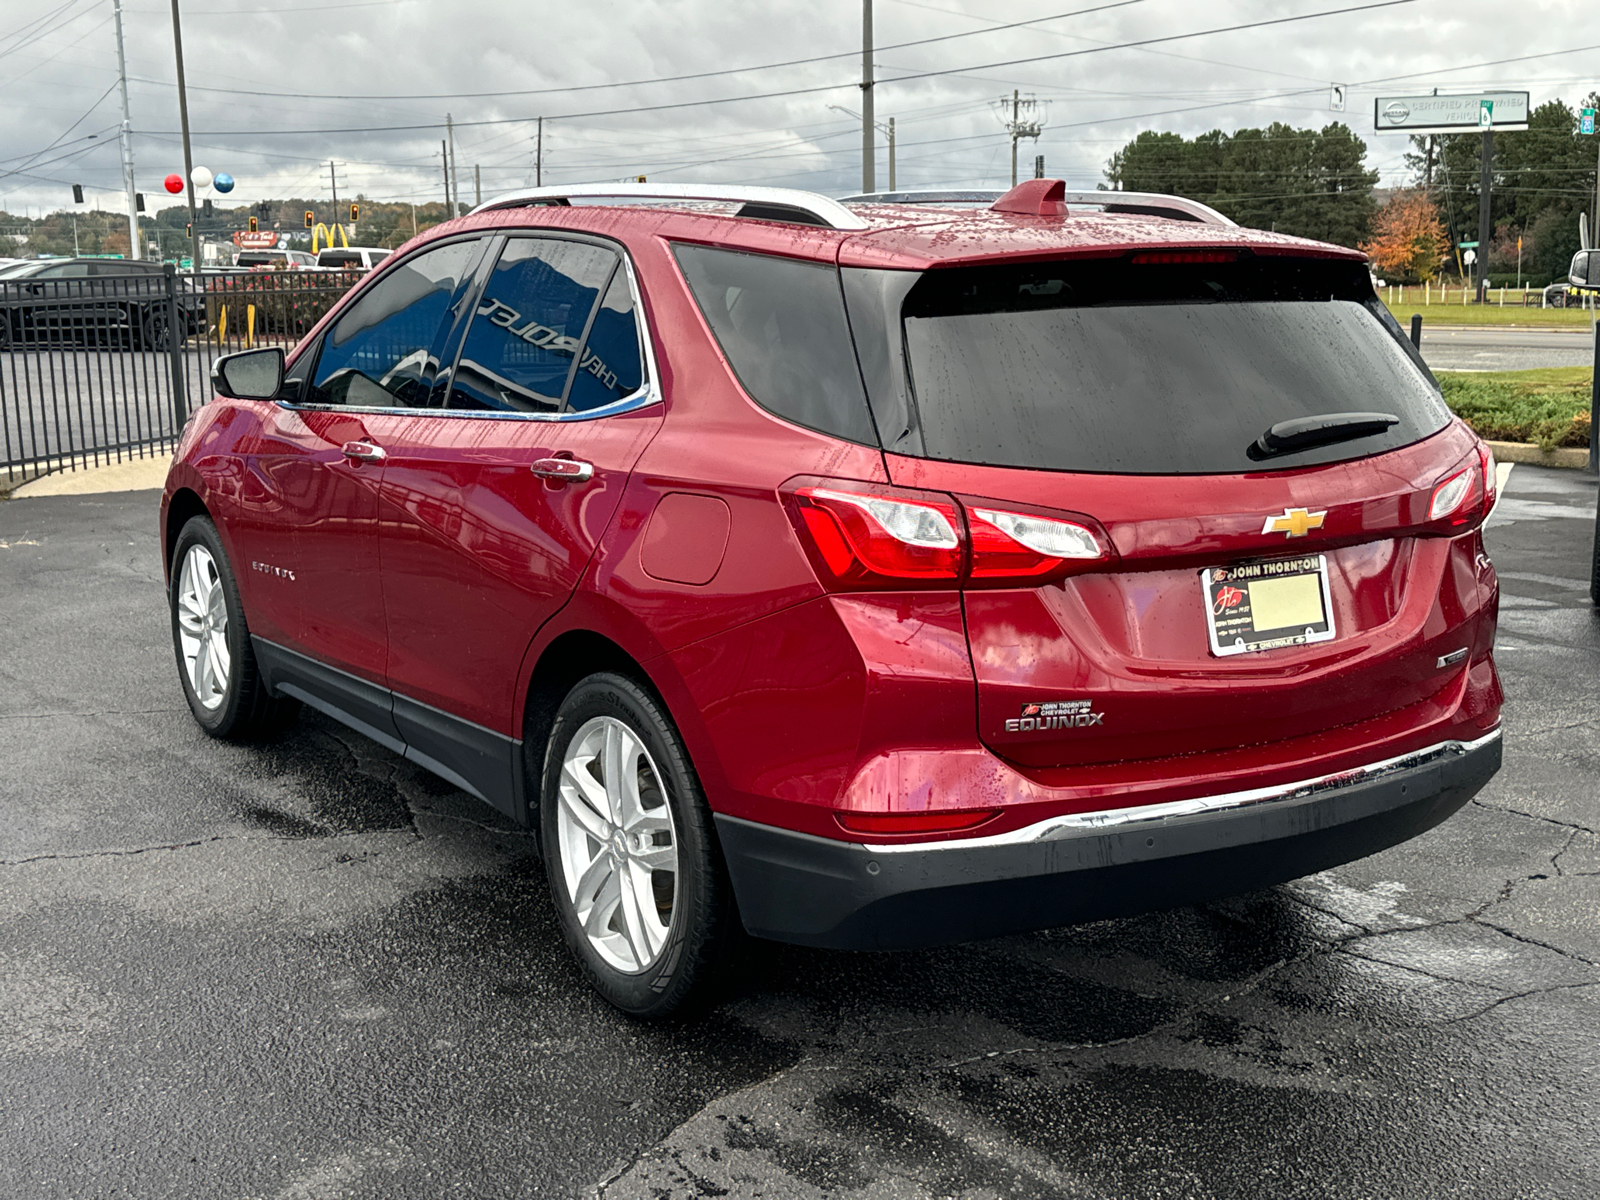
(223, 182)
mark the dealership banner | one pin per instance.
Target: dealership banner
(1451, 114)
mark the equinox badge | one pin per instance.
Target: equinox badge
(1296, 522)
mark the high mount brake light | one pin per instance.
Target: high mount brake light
(862, 536)
(1152, 257)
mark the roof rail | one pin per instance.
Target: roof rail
(759, 203)
(1144, 204)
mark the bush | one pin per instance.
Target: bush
(1549, 407)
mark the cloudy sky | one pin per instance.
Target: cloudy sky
(278, 87)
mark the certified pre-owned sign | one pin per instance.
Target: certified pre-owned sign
(1473, 110)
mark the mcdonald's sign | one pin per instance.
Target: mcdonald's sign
(325, 234)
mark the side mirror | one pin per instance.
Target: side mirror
(249, 374)
(1585, 269)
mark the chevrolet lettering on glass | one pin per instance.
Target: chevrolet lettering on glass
(1267, 605)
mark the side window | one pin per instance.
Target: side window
(383, 352)
(611, 366)
(781, 324)
(523, 342)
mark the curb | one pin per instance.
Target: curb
(7, 486)
(1571, 457)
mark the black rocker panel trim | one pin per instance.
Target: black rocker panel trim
(479, 761)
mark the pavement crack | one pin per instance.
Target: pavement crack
(103, 712)
(1494, 1004)
(20, 862)
(1517, 812)
(1530, 941)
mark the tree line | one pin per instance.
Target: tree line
(1315, 183)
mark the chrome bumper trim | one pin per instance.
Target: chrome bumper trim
(1071, 824)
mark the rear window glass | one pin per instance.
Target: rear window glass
(781, 324)
(1121, 367)
(339, 258)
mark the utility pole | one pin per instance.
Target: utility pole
(1019, 128)
(868, 181)
(333, 182)
(455, 180)
(188, 156)
(891, 154)
(1485, 233)
(127, 139)
(444, 161)
(538, 157)
(477, 185)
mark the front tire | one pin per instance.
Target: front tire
(216, 663)
(630, 851)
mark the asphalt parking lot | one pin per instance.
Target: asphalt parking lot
(307, 969)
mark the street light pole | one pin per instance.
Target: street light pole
(455, 180)
(188, 155)
(868, 182)
(127, 139)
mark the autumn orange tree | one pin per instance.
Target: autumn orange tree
(1408, 238)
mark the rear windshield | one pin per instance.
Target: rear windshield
(1150, 367)
(339, 258)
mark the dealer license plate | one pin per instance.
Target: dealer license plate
(1263, 605)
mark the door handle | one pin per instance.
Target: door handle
(565, 469)
(363, 452)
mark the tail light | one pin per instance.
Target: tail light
(1462, 499)
(862, 536)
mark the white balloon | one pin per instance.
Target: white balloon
(200, 177)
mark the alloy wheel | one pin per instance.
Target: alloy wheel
(618, 844)
(203, 627)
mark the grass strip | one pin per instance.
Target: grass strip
(1489, 314)
(1549, 406)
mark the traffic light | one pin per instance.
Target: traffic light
(641, 179)
(77, 193)
(254, 224)
(207, 210)
(355, 213)
(188, 231)
(138, 202)
(311, 218)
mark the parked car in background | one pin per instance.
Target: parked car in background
(95, 301)
(870, 576)
(279, 259)
(352, 258)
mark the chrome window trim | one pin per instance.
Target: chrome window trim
(834, 214)
(1138, 816)
(648, 394)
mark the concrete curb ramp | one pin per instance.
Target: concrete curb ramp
(134, 475)
(1528, 452)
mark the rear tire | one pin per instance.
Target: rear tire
(630, 851)
(216, 663)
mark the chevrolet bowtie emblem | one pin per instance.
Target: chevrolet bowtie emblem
(1296, 522)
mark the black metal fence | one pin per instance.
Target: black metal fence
(105, 367)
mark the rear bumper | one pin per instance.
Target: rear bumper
(795, 887)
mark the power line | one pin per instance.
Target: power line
(590, 87)
(829, 87)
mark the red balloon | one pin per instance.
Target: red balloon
(173, 183)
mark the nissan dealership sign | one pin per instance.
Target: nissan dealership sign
(1451, 114)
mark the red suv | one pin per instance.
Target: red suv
(880, 575)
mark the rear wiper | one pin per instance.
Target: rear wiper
(1302, 433)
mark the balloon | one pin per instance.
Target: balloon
(173, 184)
(223, 182)
(200, 177)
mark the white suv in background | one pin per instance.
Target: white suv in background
(352, 258)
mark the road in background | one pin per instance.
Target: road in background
(1486, 348)
(307, 968)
